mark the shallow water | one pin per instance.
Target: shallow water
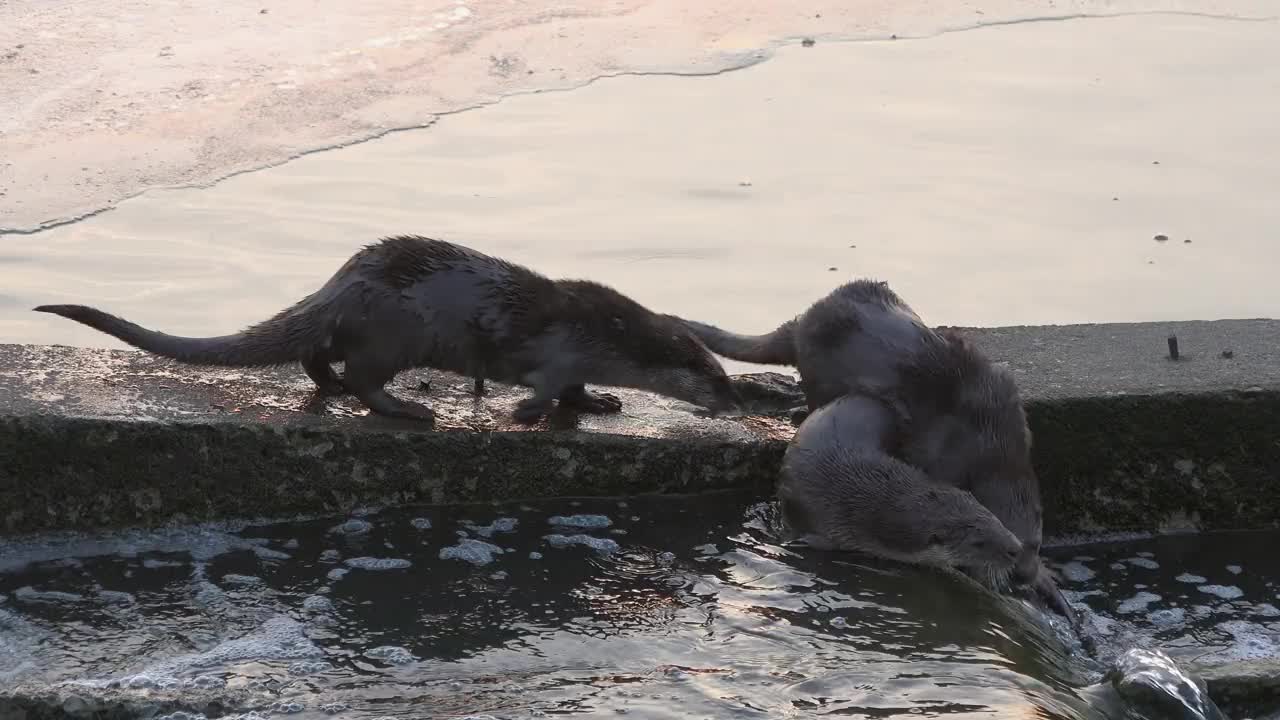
(1004, 175)
(679, 607)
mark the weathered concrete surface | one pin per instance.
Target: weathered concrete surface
(1125, 438)
(1248, 688)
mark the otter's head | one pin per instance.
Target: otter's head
(626, 345)
(979, 545)
(976, 438)
(683, 368)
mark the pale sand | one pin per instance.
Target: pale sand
(974, 170)
(100, 99)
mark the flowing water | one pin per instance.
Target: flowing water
(672, 607)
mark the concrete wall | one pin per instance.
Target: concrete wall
(1125, 438)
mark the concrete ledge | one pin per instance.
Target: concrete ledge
(1125, 438)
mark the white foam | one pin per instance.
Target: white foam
(1252, 641)
(839, 621)
(420, 523)
(603, 546)
(1235, 569)
(330, 556)
(354, 526)
(278, 638)
(535, 555)
(235, 579)
(1137, 603)
(115, 597)
(1168, 616)
(202, 542)
(476, 552)
(1193, 579)
(154, 563)
(1226, 592)
(392, 654)
(1266, 610)
(1077, 572)
(370, 563)
(317, 604)
(338, 573)
(594, 522)
(1143, 562)
(708, 549)
(499, 575)
(501, 525)
(31, 595)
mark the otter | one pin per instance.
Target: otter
(409, 301)
(840, 490)
(967, 424)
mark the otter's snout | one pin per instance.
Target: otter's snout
(1026, 565)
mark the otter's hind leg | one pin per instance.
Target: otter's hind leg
(322, 374)
(578, 397)
(367, 377)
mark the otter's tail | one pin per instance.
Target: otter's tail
(283, 339)
(774, 348)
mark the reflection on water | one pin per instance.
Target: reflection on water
(1006, 175)
(677, 607)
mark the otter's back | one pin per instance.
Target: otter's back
(856, 337)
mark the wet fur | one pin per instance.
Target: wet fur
(408, 301)
(841, 490)
(965, 414)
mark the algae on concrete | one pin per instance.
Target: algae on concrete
(1124, 438)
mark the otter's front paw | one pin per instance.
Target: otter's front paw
(583, 400)
(529, 412)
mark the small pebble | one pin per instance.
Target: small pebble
(807, 42)
(1227, 354)
(832, 269)
(1162, 238)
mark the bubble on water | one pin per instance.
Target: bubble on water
(156, 563)
(1137, 603)
(371, 563)
(292, 544)
(1235, 569)
(308, 667)
(476, 552)
(338, 573)
(581, 521)
(330, 556)
(1266, 610)
(235, 579)
(535, 555)
(392, 654)
(1077, 572)
(266, 553)
(1193, 579)
(666, 559)
(287, 707)
(334, 708)
(116, 597)
(603, 546)
(501, 525)
(420, 523)
(1168, 616)
(29, 594)
(207, 682)
(500, 575)
(1226, 592)
(1142, 562)
(201, 542)
(839, 621)
(317, 604)
(1118, 566)
(1251, 642)
(181, 715)
(354, 526)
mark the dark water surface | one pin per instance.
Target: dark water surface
(697, 612)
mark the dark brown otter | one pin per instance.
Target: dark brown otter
(839, 489)
(408, 301)
(964, 414)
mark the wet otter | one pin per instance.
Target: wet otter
(839, 489)
(409, 301)
(967, 425)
